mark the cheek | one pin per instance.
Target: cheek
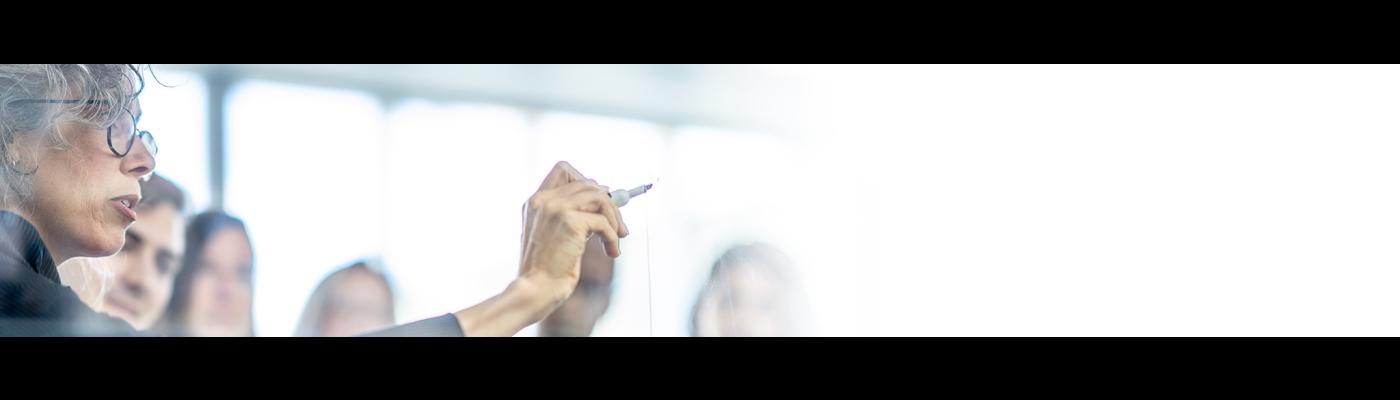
(244, 295)
(67, 198)
(240, 302)
(160, 292)
(201, 296)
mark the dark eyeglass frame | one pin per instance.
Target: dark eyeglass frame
(145, 136)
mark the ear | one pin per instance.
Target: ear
(21, 155)
(12, 157)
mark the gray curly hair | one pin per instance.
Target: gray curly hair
(99, 93)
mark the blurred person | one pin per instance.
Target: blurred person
(349, 301)
(578, 315)
(752, 291)
(71, 162)
(213, 291)
(143, 271)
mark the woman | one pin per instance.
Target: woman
(72, 159)
(143, 272)
(213, 293)
(350, 301)
(752, 291)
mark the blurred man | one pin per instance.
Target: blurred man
(140, 276)
(581, 311)
(752, 291)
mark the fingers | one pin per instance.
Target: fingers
(603, 205)
(597, 224)
(594, 198)
(567, 189)
(584, 196)
(560, 175)
(574, 188)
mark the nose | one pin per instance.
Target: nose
(139, 163)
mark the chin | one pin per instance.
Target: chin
(105, 245)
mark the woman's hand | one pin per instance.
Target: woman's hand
(558, 220)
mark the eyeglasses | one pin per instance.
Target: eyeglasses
(120, 139)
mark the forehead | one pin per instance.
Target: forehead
(745, 276)
(362, 285)
(227, 244)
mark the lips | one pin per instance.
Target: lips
(124, 209)
(126, 205)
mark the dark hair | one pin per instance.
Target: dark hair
(159, 190)
(197, 234)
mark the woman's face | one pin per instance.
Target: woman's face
(83, 194)
(221, 291)
(359, 304)
(743, 302)
(145, 269)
